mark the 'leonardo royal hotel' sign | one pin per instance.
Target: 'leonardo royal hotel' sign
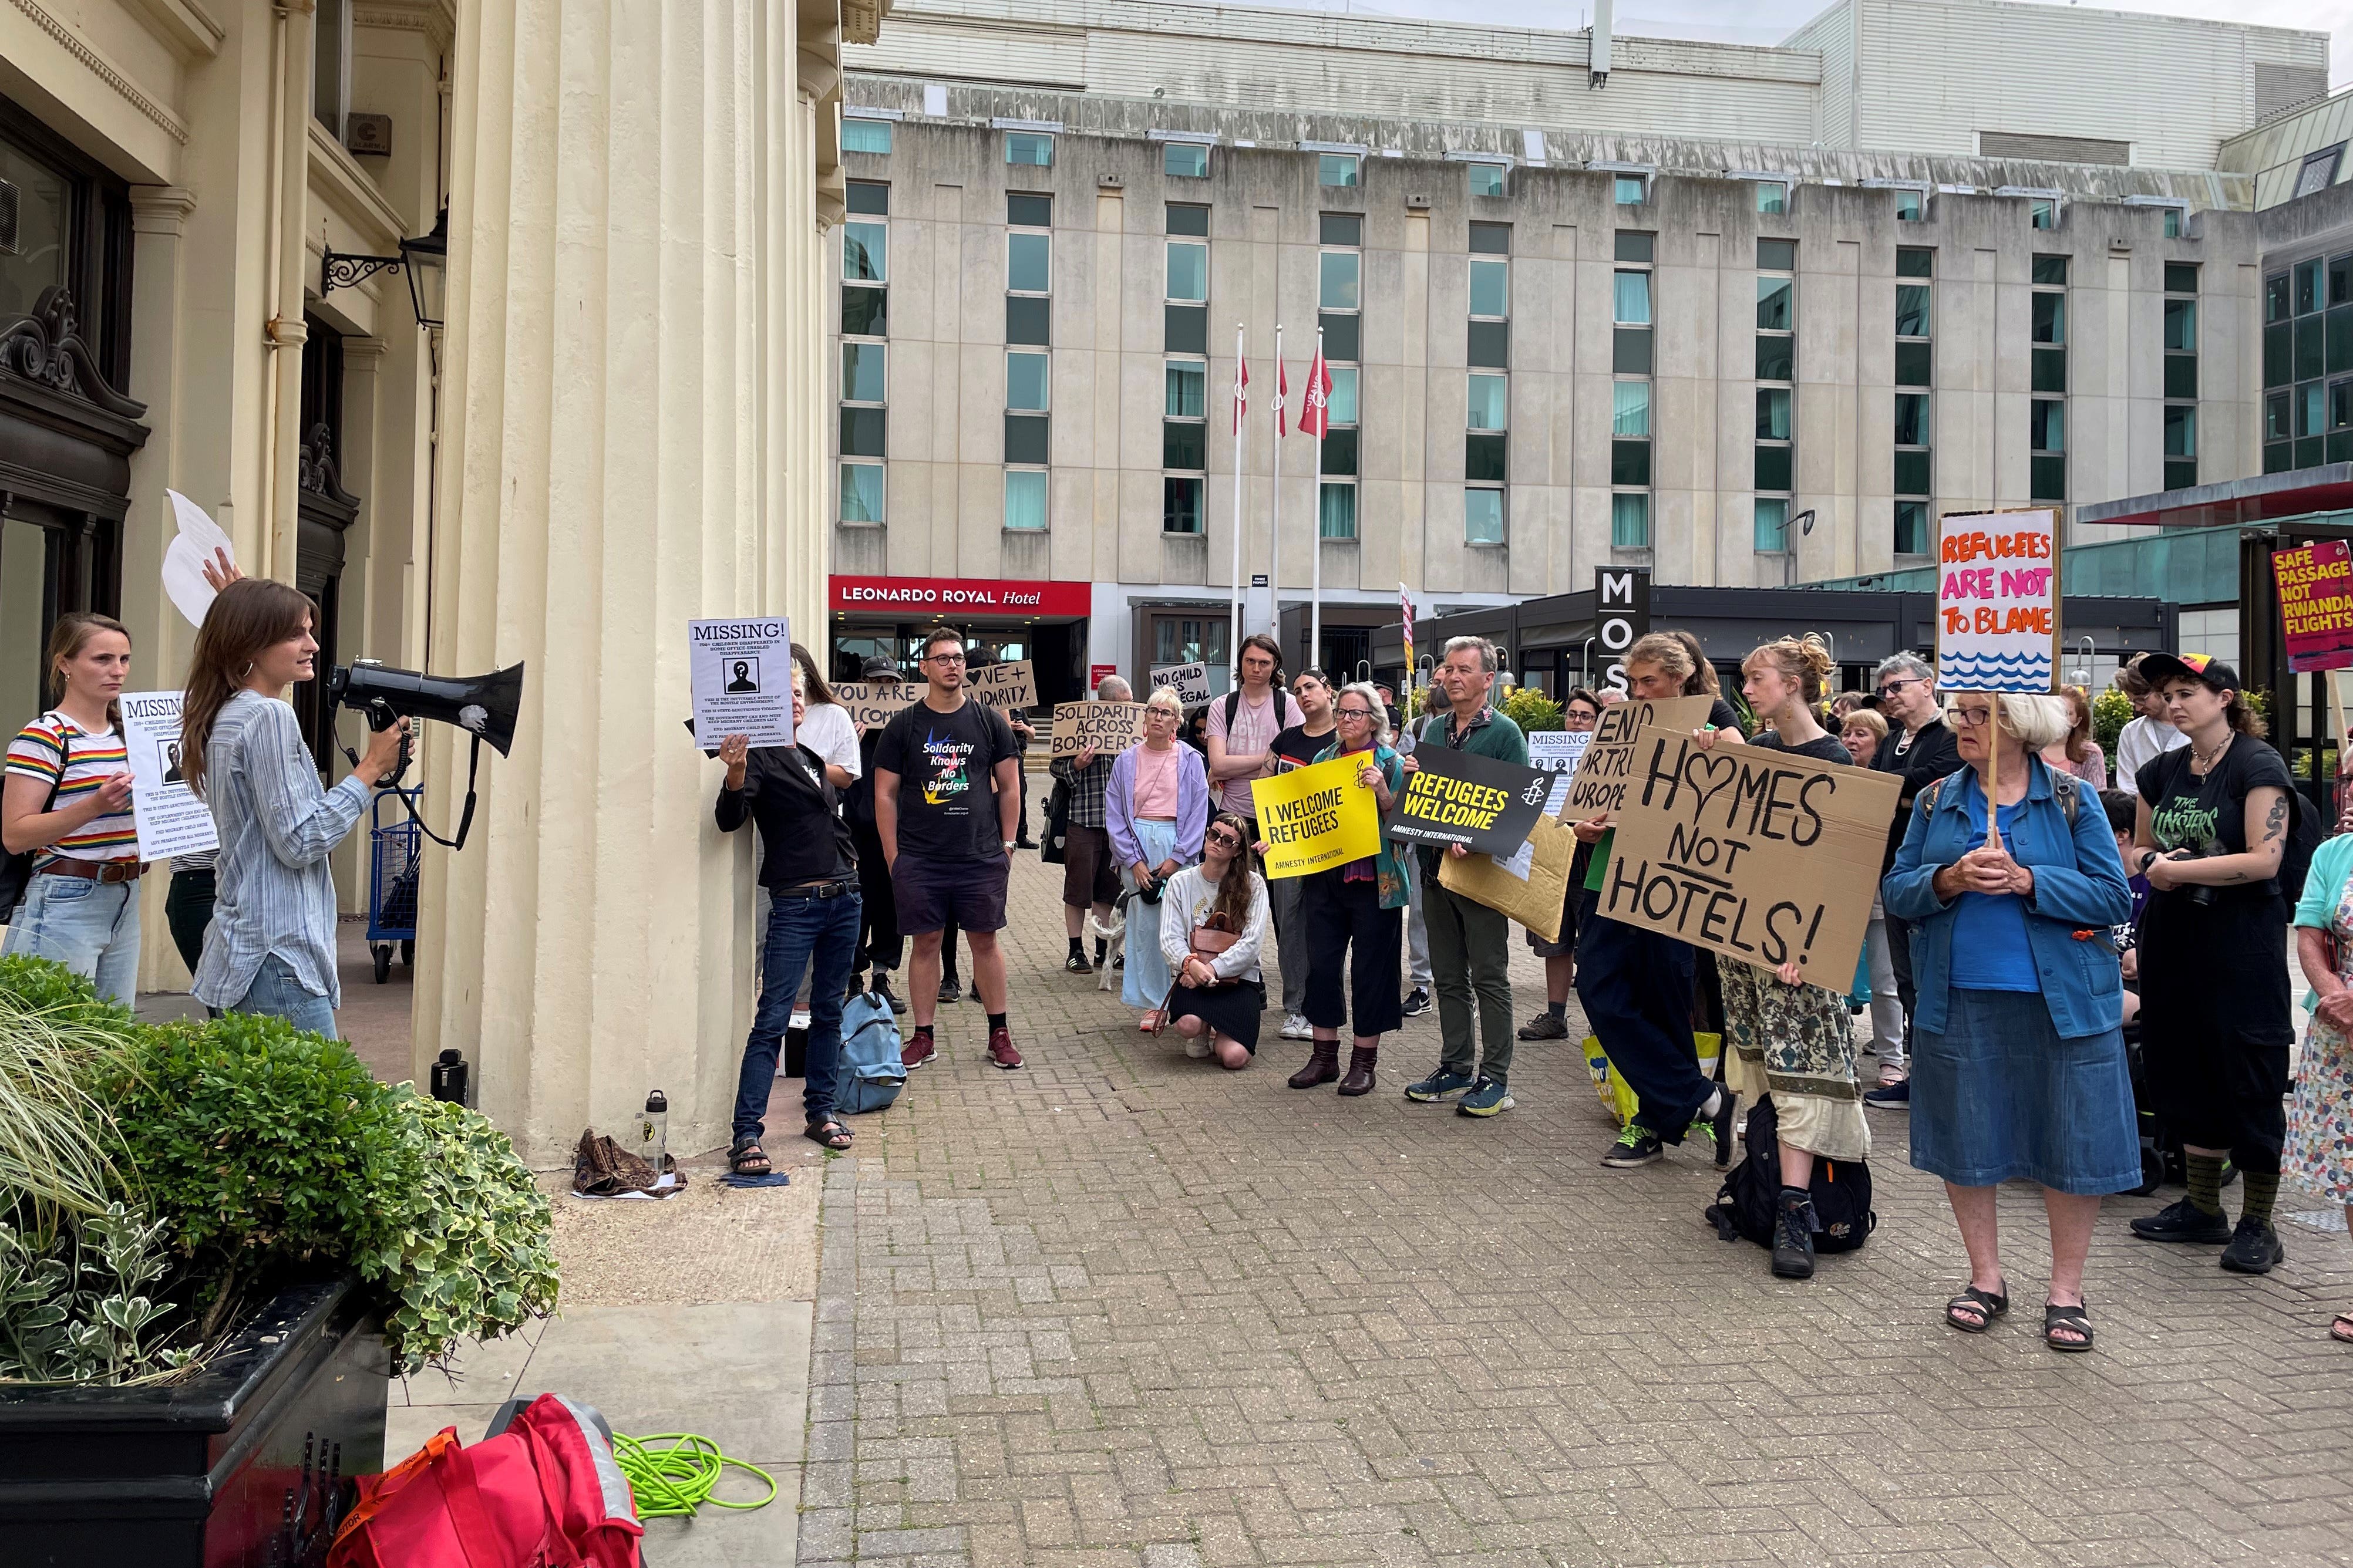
(916, 598)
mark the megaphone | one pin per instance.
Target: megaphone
(484, 706)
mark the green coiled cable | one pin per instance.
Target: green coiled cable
(672, 1481)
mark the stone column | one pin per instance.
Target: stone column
(632, 375)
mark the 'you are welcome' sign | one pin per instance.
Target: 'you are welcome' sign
(1998, 600)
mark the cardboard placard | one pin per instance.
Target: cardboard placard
(2316, 595)
(1462, 798)
(874, 702)
(1597, 788)
(1998, 600)
(742, 672)
(1190, 681)
(1316, 818)
(1557, 752)
(171, 819)
(1004, 685)
(1534, 899)
(1109, 727)
(1757, 855)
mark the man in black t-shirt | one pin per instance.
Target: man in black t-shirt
(1921, 749)
(947, 788)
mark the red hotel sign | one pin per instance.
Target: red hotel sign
(915, 598)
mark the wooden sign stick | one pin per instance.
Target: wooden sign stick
(1993, 770)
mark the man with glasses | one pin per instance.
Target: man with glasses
(946, 790)
(1469, 945)
(1922, 749)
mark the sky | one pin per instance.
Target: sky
(1770, 21)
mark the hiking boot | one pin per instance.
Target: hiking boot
(918, 1051)
(1637, 1145)
(1361, 1061)
(2254, 1249)
(1793, 1236)
(1545, 1026)
(1295, 1026)
(1897, 1096)
(856, 983)
(1721, 1125)
(1488, 1097)
(1000, 1048)
(2183, 1221)
(951, 988)
(1417, 1003)
(882, 987)
(1323, 1065)
(1446, 1080)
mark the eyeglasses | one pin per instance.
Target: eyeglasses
(944, 659)
(1352, 712)
(1972, 718)
(1151, 714)
(1893, 687)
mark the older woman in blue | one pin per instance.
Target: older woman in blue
(2018, 1054)
(1155, 809)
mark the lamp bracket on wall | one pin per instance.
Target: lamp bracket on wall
(351, 271)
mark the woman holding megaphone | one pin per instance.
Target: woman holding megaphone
(271, 948)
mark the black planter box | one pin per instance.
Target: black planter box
(247, 1465)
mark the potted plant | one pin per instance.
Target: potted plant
(217, 1242)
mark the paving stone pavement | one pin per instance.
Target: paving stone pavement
(1124, 1307)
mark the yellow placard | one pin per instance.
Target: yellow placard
(1316, 818)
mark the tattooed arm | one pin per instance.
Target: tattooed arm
(2267, 826)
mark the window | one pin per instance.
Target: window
(1343, 401)
(1909, 206)
(1633, 299)
(2047, 448)
(1911, 418)
(1026, 318)
(1340, 228)
(1491, 239)
(1186, 385)
(2180, 446)
(1336, 168)
(1025, 500)
(1487, 180)
(1628, 190)
(1180, 504)
(1776, 255)
(1483, 515)
(2173, 223)
(1629, 246)
(1025, 383)
(330, 66)
(1029, 439)
(865, 251)
(1030, 149)
(1914, 262)
(1774, 459)
(2051, 269)
(1339, 297)
(1029, 262)
(1630, 521)
(1184, 161)
(1029, 268)
(1629, 413)
(1188, 270)
(862, 424)
(1491, 302)
(2050, 321)
(2044, 214)
(863, 432)
(1341, 275)
(2341, 421)
(1630, 431)
(865, 312)
(1916, 270)
(1772, 196)
(1337, 510)
(865, 135)
(861, 492)
(1186, 218)
(1912, 309)
(2180, 413)
(1772, 524)
(1489, 403)
(2047, 339)
(1486, 455)
(863, 372)
(1911, 528)
(2319, 171)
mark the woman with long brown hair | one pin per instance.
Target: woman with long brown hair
(271, 948)
(1212, 925)
(67, 802)
(2076, 751)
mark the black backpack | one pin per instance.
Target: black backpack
(2304, 837)
(1748, 1202)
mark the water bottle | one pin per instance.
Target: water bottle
(448, 1078)
(653, 1132)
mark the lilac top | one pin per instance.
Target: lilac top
(1192, 804)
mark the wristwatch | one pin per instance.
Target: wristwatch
(1008, 846)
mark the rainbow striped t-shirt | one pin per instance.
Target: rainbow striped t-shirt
(53, 749)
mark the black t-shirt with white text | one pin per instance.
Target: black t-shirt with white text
(1295, 748)
(2209, 815)
(947, 795)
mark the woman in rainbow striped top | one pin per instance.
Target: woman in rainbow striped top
(67, 801)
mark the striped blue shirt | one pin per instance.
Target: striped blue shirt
(275, 893)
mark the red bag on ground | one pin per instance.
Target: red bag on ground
(545, 1493)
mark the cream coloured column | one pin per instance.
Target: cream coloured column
(629, 336)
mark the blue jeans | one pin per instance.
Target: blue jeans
(91, 928)
(818, 936)
(276, 993)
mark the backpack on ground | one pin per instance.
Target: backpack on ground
(873, 1072)
(1749, 1200)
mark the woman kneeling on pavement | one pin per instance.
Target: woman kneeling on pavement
(1154, 808)
(1212, 924)
(809, 866)
(2018, 1055)
(1791, 1040)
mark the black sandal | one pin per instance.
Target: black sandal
(828, 1134)
(2056, 1317)
(1973, 1310)
(748, 1159)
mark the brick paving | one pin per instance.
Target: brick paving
(1127, 1308)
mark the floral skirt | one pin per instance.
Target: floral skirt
(2319, 1153)
(1797, 1044)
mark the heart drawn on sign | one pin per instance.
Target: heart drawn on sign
(1709, 765)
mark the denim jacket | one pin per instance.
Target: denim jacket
(2079, 892)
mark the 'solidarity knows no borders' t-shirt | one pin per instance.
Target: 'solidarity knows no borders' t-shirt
(947, 795)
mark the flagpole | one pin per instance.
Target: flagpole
(1315, 533)
(1274, 565)
(1241, 445)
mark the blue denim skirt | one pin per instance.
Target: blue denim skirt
(1999, 1096)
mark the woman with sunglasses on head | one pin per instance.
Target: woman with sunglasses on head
(1154, 808)
(1354, 913)
(1212, 924)
(1295, 748)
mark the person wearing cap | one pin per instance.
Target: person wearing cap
(2212, 825)
(880, 946)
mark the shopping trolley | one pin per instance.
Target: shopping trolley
(393, 857)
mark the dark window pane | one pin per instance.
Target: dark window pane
(2048, 479)
(1340, 451)
(1027, 210)
(1776, 358)
(2309, 357)
(1630, 463)
(1633, 247)
(2050, 372)
(1342, 228)
(865, 312)
(2340, 280)
(1184, 444)
(2307, 452)
(1911, 419)
(2340, 405)
(1491, 239)
(2275, 417)
(862, 432)
(2276, 298)
(2307, 289)
(2051, 269)
(1180, 506)
(1186, 328)
(1490, 344)
(1911, 528)
(2278, 458)
(1484, 456)
(1629, 352)
(1026, 438)
(2181, 277)
(1912, 309)
(2340, 339)
(2279, 356)
(2340, 447)
(2181, 375)
(1772, 468)
(1914, 263)
(1911, 364)
(2180, 473)
(1776, 255)
(1027, 317)
(1192, 220)
(2050, 319)
(1342, 337)
(1912, 474)
(869, 196)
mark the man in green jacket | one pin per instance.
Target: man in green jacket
(1469, 945)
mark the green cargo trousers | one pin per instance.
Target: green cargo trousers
(1469, 948)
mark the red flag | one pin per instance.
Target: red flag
(1241, 392)
(1281, 395)
(1315, 408)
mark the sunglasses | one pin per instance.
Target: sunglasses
(1230, 839)
(1893, 687)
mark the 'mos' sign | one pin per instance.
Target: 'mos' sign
(916, 597)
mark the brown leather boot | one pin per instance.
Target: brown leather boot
(1323, 1065)
(1360, 1069)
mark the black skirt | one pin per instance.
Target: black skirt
(1230, 1010)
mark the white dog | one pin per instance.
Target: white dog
(1112, 934)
